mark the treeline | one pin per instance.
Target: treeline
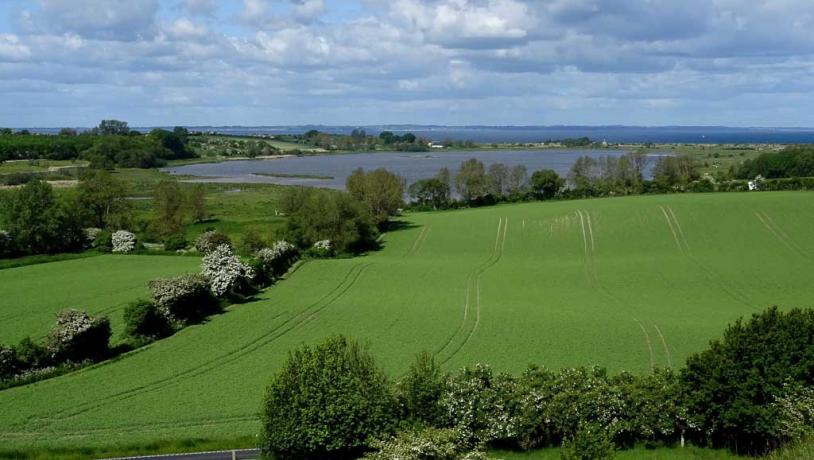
(792, 162)
(111, 144)
(478, 185)
(333, 401)
(360, 140)
(36, 220)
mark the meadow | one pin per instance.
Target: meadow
(625, 283)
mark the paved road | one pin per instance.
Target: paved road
(239, 454)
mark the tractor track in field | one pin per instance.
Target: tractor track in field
(684, 247)
(592, 273)
(473, 284)
(666, 348)
(781, 235)
(303, 316)
(419, 241)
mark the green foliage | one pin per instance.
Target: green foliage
(730, 387)
(431, 193)
(590, 442)
(103, 241)
(209, 240)
(428, 444)
(113, 128)
(471, 181)
(143, 320)
(169, 211)
(317, 215)
(175, 243)
(184, 298)
(77, 337)
(40, 223)
(379, 191)
(546, 184)
(104, 200)
(421, 389)
(327, 401)
(796, 161)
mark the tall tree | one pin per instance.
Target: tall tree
(168, 209)
(471, 181)
(546, 184)
(104, 199)
(113, 128)
(518, 176)
(498, 179)
(380, 191)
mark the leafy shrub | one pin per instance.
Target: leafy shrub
(184, 298)
(435, 444)
(123, 241)
(225, 272)
(30, 354)
(796, 419)
(327, 401)
(143, 319)
(103, 241)
(91, 234)
(211, 240)
(421, 389)
(77, 336)
(5, 244)
(730, 387)
(273, 262)
(9, 365)
(590, 442)
(175, 243)
(322, 248)
(480, 404)
(651, 411)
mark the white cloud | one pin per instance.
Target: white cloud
(12, 50)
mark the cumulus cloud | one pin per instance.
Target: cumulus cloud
(439, 61)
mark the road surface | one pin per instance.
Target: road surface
(238, 454)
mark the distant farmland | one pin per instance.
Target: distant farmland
(626, 283)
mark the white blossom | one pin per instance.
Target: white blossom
(123, 241)
(323, 245)
(224, 270)
(167, 293)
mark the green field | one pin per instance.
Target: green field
(31, 296)
(627, 283)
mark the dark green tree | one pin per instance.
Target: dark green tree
(546, 184)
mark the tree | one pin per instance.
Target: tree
(583, 174)
(729, 389)
(104, 199)
(328, 401)
(670, 171)
(77, 336)
(317, 215)
(421, 389)
(471, 181)
(196, 203)
(380, 191)
(518, 176)
(142, 319)
(498, 179)
(39, 223)
(546, 184)
(168, 209)
(113, 128)
(67, 132)
(429, 192)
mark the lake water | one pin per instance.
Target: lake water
(411, 166)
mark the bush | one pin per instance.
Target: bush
(142, 319)
(5, 244)
(175, 243)
(729, 388)
(77, 336)
(225, 272)
(9, 365)
(103, 241)
(435, 444)
(123, 241)
(796, 419)
(481, 404)
(420, 391)
(31, 355)
(274, 262)
(184, 298)
(590, 442)
(327, 401)
(210, 240)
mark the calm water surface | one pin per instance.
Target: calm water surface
(411, 166)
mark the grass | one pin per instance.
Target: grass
(25, 166)
(33, 294)
(625, 283)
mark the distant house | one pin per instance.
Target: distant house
(435, 145)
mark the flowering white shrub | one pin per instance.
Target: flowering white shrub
(77, 336)
(123, 241)
(90, 235)
(209, 241)
(278, 250)
(224, 270)
(275, 261)
(323, 245)
(436, 444)
(183, 297)
(8, 362)
(796, 413)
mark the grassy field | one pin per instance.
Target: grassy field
(24, 166)
(626, 283)
(30, 296)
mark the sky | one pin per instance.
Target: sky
(369, 62)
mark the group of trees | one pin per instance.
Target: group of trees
(109, 145)
(359, 139)
(37, 220)
(350, 220)
(795, 161)
(332, 401)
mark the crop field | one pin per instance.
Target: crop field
(31, 296)
(625, 283)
